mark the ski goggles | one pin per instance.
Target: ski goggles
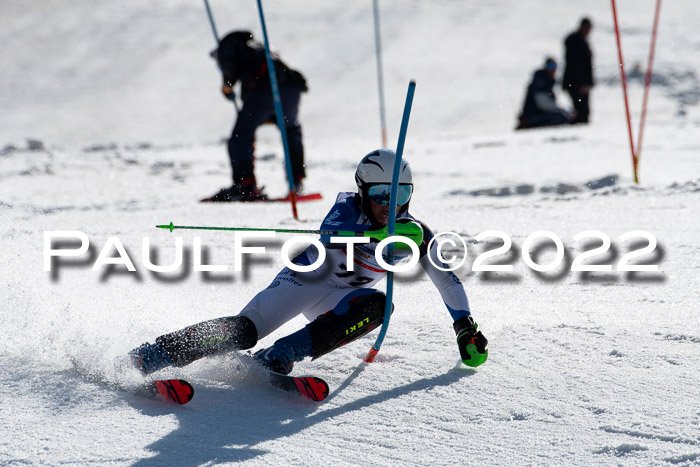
(380, 194)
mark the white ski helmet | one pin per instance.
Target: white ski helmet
(377, 168)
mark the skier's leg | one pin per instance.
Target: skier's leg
(254, 113)
(296, 155)
(182, 347)
(583, 109)
(580, 105)
(286, 297)
(240, 149)
(356, 314)
(574, 98)
(290, 294)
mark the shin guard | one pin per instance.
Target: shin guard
(342, 325)
(208, 338)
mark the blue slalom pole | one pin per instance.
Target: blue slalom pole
(278, 111)
(391, 227)
(211, 21)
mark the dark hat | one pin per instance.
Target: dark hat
(232, 47)
(240, 36)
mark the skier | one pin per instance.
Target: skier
(578, 73)
(242, 60)
(341, 305)
(540, 106)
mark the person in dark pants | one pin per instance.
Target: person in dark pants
(578, 73)
(540, 106)
(242, 60)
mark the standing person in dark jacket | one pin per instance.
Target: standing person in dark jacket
(242, 60)
(540, 107)
(578, 73)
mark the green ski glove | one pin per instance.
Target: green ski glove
(471, 342)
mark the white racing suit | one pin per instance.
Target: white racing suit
(332, 285)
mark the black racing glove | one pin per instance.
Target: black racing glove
(471, 342)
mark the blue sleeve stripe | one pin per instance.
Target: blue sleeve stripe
(456, 314)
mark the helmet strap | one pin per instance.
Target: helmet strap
(363, 201)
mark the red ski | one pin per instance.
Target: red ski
(177, 391)
(311, 387)
(299, 198)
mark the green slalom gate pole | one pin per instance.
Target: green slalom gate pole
(391, 227)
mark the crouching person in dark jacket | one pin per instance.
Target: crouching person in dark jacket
(540, 107)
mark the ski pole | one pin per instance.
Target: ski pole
(211, 21)
(278, 111)
(232, 96)
(411, 230)
(391, 227)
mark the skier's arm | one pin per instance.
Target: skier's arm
(228, 84)
(447, 283)
(343, 216)
(230, 75)
(470, 341)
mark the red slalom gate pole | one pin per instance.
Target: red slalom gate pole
(624, 91)
(647, 79)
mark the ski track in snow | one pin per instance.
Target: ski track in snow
(584, 368)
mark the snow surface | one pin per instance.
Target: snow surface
(111, 122)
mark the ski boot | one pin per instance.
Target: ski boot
(281, 356)
(149, 358)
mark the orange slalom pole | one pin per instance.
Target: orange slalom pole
(624, 91)
(647, 79)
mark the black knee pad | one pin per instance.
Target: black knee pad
(208, 338)
(330, 331)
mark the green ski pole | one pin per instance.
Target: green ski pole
(412, 230)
